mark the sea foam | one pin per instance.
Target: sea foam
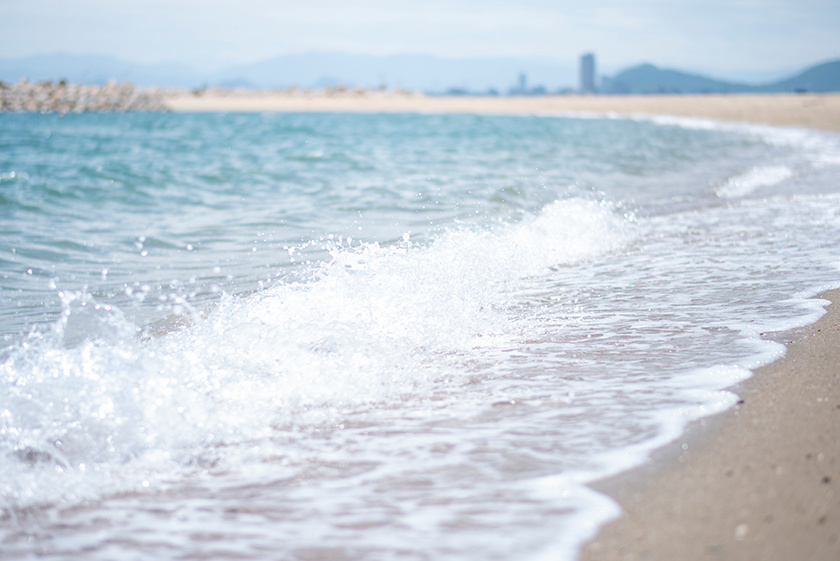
(746, 183)
(95, 407)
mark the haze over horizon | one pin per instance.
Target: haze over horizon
(743, 39)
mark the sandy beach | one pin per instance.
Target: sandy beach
(819, 111)
(760, 481)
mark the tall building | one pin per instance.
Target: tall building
(587, 74)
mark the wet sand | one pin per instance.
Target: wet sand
(820, 111)
(760, 481)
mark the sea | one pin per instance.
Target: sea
(339, 336)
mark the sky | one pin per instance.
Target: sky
(721, 38)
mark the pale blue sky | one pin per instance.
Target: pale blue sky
(714, 36)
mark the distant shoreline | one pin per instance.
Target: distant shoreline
(810, 110)
(818, 111)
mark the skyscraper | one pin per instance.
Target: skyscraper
(587, 74)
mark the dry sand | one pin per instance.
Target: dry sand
(760, 481)
(821, 111)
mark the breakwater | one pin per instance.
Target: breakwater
(61, 97)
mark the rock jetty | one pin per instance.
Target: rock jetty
(61, 97)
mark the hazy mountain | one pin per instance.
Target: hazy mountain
(646, 79)
(95, 69)
(821, 78)
(413, 72)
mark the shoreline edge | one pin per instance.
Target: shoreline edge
(815, 111)
(758, 481)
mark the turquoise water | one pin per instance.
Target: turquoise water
(344, 336)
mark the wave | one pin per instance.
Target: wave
(90, 406)
(748, 182)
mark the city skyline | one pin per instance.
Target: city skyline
(588, 75)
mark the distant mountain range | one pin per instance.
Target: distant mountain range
(412, 72)
(648, 79)
(95, 69)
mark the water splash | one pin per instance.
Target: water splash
(92, 404)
